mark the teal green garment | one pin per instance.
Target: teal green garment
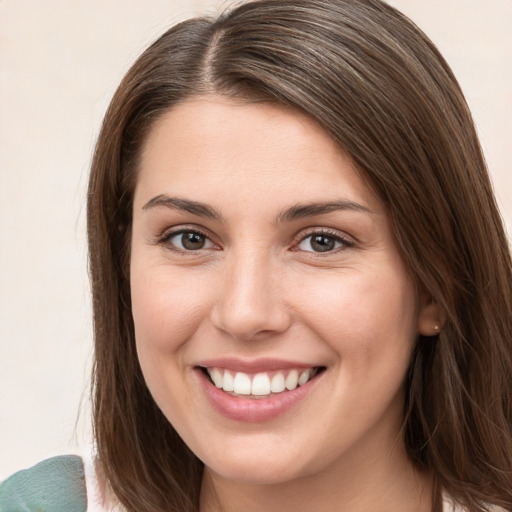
(54, 485)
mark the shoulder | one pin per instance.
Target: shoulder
(53, 485)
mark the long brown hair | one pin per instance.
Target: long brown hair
(378, 85)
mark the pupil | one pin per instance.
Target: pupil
(192, 241)
(322, 243)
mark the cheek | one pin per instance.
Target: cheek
(166, 313)
(364, 315)
(166, 316)
(164, 308)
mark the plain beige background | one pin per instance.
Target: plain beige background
(60, 62)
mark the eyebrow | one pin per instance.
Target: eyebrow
(177, 203)
(301, 211)
(295, 212)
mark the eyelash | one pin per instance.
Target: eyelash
(165, 240)
(344, 242)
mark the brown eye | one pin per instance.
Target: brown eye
(192, 241)
(323, 242)
(188, 241)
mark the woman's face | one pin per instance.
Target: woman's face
(260, 256)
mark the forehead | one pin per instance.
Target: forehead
(213, 148)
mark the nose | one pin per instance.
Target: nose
(250, 303)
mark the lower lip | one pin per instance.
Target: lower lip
(254, 410)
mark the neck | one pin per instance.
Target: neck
(373, 484)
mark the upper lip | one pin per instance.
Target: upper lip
(254, 365)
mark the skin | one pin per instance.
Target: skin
(258, 288)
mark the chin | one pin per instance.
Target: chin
(256, 473)
(260, 465)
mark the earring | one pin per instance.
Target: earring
(436, 327)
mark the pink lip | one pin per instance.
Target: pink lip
(254, 365)
(250, 409)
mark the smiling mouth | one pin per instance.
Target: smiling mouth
(262, 384)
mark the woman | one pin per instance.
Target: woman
(302, 288)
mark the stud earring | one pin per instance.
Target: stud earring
(436, 327)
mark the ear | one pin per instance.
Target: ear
(431, 317)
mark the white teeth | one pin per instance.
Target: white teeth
(242, 384)
(304, 377)
(228, 384)
(260, 385)
(292, 380)
(216, 377)
(277, 384)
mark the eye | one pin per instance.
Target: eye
(322, 243)
(188, 240)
